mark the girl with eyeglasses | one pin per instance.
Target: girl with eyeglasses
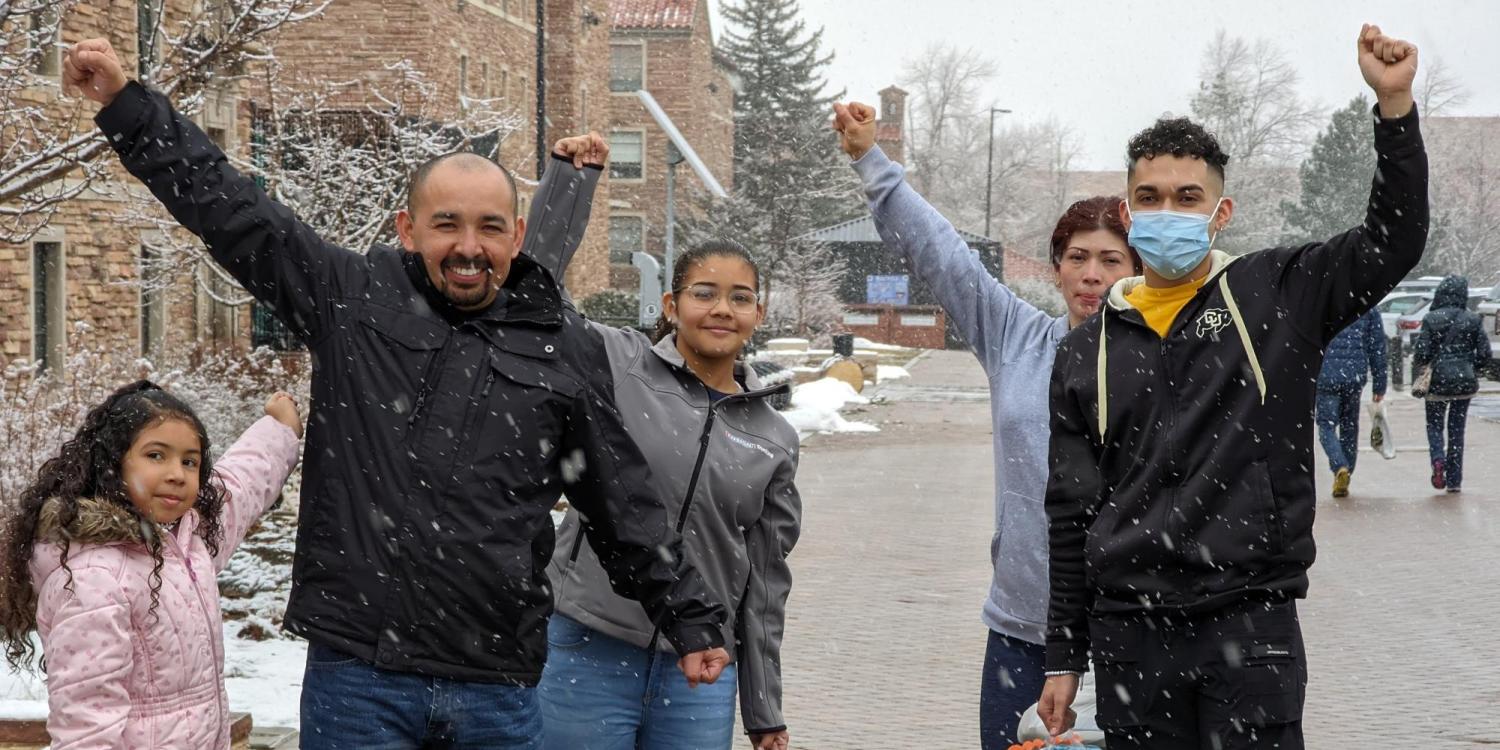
(724, 463)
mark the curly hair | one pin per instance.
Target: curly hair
(90, 465)
(715, 248)
(1179, 137)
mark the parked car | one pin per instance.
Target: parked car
(1489, 319)
(1411, 322)
(1427, 284)
(1397, 304)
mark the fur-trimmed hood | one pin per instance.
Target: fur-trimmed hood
(97, 522)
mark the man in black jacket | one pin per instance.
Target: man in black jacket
(1181, 494)
(454, 398)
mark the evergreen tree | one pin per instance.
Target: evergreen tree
(1335, 178)
(790, 176)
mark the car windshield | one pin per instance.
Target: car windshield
(1402, 305)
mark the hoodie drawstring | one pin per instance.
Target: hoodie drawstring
(1239, 323)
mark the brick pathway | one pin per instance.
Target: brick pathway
(884, 642)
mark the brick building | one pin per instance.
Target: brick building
(667, 48)
(73, 270)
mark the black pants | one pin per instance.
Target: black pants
(1226, 680)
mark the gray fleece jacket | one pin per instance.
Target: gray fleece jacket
(725, 471)
(1015, 342)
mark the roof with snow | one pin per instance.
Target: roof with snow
(652, 14)
(863, 230)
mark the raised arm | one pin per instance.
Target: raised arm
(987, 313)
(560, 209)
(762, 617)
(276, 257)
(1328, 285)
(252, 473)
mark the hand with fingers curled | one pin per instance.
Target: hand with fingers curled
(590, 148)
(855, 124)
(778, 740)
(1389, 66)
(703, 667)
(92, 69)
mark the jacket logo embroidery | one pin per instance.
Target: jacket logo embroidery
(1212, 322)
(737, 440)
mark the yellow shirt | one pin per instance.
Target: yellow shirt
(1160, 305)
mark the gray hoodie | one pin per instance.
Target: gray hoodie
(742, 515)
(1015, 342)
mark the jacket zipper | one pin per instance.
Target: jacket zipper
(424, 389)
(207, 616)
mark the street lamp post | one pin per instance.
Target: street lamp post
(989, 172)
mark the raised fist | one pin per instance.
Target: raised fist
(584, 149)
(1389, 66)
(855, 124)
(91, 68)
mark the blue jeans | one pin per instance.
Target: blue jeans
(1013, 677)
(1456, 415)
(601, 693)
(349, 704)
(1338, 425)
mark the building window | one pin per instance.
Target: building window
(484, 81)
(625, 152)
(627, 235)
(46, 28)
(153, 302)
(47, 305)
(267, 330)
(463, 75)
(505, 84)
(627, 67)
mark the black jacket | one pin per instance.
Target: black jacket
(1195, 488)
(1452, 340)
(437, 442)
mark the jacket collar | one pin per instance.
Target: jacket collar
(666, 350)
(529, 294)
(1218, 261)
(99, 522)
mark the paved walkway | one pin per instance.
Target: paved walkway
(884, 642)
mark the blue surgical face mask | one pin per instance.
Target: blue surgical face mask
(1171, 243)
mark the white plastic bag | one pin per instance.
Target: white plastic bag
(1087, 727)
(1381, 437)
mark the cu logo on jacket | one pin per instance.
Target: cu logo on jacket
(1212, 322)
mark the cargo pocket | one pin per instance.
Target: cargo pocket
(1124, 691)
(1270, 684)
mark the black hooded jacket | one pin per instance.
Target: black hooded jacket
(1452, 341)
(1181, 467)
(437, 442)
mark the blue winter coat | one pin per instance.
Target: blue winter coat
(1358, 349)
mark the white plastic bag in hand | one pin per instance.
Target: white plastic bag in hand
(1381, 438)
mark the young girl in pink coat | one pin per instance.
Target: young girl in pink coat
(111, 555)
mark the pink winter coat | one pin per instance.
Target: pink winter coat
(118, 677)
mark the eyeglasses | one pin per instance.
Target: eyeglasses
(708, 295)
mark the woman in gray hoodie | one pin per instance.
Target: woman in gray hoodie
(724, 463)
(1015, 342)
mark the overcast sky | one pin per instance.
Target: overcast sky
(1108, 68)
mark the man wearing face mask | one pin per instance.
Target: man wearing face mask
(1180, 501)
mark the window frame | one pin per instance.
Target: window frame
(614, 160)
(640, 45)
